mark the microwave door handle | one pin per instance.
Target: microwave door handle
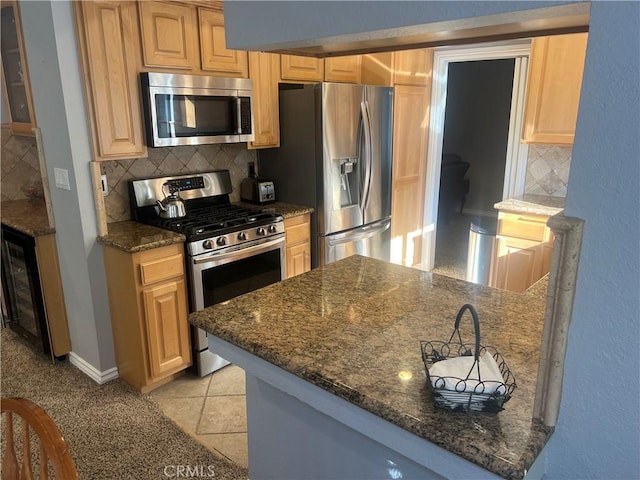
(238, 115)
(171, 116)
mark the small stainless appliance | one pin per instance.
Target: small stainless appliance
(230, 250)
(258, 190)
(335, 156)
(195, 110)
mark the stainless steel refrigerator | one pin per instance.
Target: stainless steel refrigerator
(335, 156)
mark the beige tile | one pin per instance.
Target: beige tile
(231, 445)
(184, 411)
(228, 381)
(224, 414)
(185, 386)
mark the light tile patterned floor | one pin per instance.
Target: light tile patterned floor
(210, 409)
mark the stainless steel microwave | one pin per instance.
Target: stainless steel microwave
(196, 109)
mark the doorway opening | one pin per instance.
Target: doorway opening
(475, 158)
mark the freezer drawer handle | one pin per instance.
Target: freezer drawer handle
(367, 232)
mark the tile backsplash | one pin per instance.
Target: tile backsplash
(172, 161)
(19, 167)
(548, 170)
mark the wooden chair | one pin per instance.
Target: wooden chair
(53, 450)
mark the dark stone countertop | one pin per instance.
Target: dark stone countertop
(350, 328)
(532, 204)
(287, 210)
(131, 236)
(27, 216)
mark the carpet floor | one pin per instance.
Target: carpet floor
(113, 431)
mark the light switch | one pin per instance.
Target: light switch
(62, 178)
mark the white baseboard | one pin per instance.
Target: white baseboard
(91, 371)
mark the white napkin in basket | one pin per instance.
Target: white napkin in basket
(446, 374)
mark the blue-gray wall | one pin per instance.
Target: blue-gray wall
(597, 435)
(56, 83)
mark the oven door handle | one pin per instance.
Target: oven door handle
(241, 252)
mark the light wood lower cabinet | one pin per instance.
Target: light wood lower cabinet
(298, 244)
(148, 304)
(53, 294)
(523, 251)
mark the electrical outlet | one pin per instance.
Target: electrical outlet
(103, 182)
(62, 178)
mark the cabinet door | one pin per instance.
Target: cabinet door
(377, 69)
(169, 33)
(215, 55)
(303, 69)
(518, 264)
(553, 91)
(15, 75)
(343, 69)
(413, 67)
(107, 32)
(410, 122)
(264, 70)
(298, 259)
(298, 244)
(165, 309)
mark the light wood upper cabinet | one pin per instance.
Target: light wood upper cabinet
(264, 70)
(15, 74)
(377, 69)
(302, 69)
(108, 36)
(169, 35)
(215, 56)
(413, 67)
(298, 244)
(343, 69)
(553, 89)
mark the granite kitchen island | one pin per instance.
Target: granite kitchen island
(336, 385)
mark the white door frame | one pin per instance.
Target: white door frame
(516, 162)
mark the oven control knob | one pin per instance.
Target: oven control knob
(221, 241)
(272, 229)
(261, 231)
(207, 244)
(242, 236)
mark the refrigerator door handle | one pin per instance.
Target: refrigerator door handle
(366, 165)
(367, 231)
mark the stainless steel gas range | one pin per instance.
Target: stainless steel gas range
(230, 249)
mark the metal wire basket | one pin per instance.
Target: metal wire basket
(470, 392)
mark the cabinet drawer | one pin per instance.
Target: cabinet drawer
(297, 230)
(162, 269)
(523, 226)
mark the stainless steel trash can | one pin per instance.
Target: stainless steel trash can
(482, 236)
